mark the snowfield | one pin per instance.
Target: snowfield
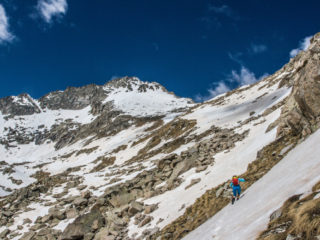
(148, 103)
(238, 106)
(297, 173)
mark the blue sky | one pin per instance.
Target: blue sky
(196, 48)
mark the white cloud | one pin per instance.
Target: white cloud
(236, 79)
(236, 57)
(303, 45)
(52, 8)
(5, 35)
(224, 9)
(258, 48)
(243, 77)
(219, 89)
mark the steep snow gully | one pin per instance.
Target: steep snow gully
(250, 215)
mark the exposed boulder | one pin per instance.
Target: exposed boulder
(83, 225)
(134, 208)
(103, 234)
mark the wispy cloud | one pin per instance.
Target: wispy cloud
(156, 46)
(50, 9)
(236, 57)
(216, 13)
(242, 77)
(210, 22)
(258, 48)
(303, 45)
(223, 10)
(233, 80)
(5, 35)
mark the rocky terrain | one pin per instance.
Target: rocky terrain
(129, 160)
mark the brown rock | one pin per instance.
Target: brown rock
(145, 221)
(103, 235)
(26, 221)
(44, 232)
(193, 182)
(86, 194)
(80, 201)
(88, 236)
(134, 208)
(150, 208)
(4, 233)
(82, 225)
(201, 168)
(28, 235)
(72, 213)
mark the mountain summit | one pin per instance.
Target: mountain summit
(129, 160)
(116, 91)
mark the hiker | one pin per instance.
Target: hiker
(235, 184)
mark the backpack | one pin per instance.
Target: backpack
(235, 181)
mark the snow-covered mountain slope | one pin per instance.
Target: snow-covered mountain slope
(21, 132)
(233, 112)
(128, 160)
(299, 167)
(143, 99)
(264, 197)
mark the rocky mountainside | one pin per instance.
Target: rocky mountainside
(129, 160)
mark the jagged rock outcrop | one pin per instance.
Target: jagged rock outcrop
(301, 113)
(84, 225)
(18, 106)
(73, 98)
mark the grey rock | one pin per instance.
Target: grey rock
(28, 235)
(7, 213)
(72, 213)
(59, 214)
(44, 232)
(276, 214)
(81, 187)
(193, 182)
(150, 208)
(291, 237)
(145, 221)
(219, 192)
(80, 201)
(16, 106)
(86, 194)
(134, 208)
(82, 225)
(4, 233)
(103, 234)
(201, 168)
(88, 236)
(46, 218)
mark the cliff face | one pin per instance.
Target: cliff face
(129, 160)
(302, 111)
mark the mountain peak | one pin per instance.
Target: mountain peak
(133, 83)
(140, 98)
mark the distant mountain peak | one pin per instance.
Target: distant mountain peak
(133, 83)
